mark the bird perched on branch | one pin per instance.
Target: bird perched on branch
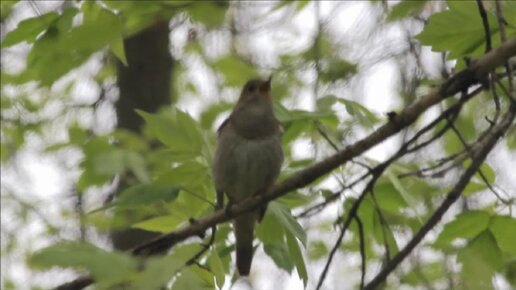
(248, 161)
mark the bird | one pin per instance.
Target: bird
(247, 161)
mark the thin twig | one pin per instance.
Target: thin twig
(480, 172)
(362, 250)
(205, 247)
(491, 188)
(79, 207)
(198, 196)
(376, 173)
(485, 22)
(444, 115)
(352, 214)
(319, 206)
(330, 256)
(458, 157)
(503, 36)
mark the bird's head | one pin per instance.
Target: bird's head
(256, 91)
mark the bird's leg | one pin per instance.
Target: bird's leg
(261, 212)
(227, 210)
(263, 208)
(220, 199)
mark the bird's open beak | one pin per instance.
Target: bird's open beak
(266, 85)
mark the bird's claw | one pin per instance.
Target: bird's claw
(227, 210)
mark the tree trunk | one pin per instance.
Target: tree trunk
(144, 84)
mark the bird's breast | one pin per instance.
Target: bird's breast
(244, 167)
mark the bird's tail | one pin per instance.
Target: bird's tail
(244, 234)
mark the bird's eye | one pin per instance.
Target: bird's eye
(252, 88)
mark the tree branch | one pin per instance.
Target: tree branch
(460, 82)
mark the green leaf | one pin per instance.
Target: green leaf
(510, 272)
(94, 148)
(406, 8)
(280, 255)
(294, 130)
(325, 103)
(144, 194)
(366, 213)
(102, 161)
(117, 47)
(108, 268)
(4, 152)
(384, 235)
(194, 277)
(337, 69)
(284, 218)
(317, 250)
(141, 195)
(452, 143)
(511, 138)
(77, 135)
(388, 197)
(302, 115)
(295, 199)
(236, 72)
(209, 13)
(466, 225)
(138, 17)
(458, 30)
(136, 163)
(504, 231)
(480, 259)
(6, 7)
(361, 113)
(217, 268)
(322, 46)
(268, 230)
(297, 257)
(428, 272)
(473, 187)
(300, 5)
(281, 112)
(403, 189)
(488, 172)
(158, 271)
(63, 46)
(209, 114)
(192, 175)
(161, 224)
(176, 129)
(28, 29)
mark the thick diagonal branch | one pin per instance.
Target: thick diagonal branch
(460, 82)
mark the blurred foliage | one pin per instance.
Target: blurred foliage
(173, 179)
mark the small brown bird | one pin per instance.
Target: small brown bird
(248, 160)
